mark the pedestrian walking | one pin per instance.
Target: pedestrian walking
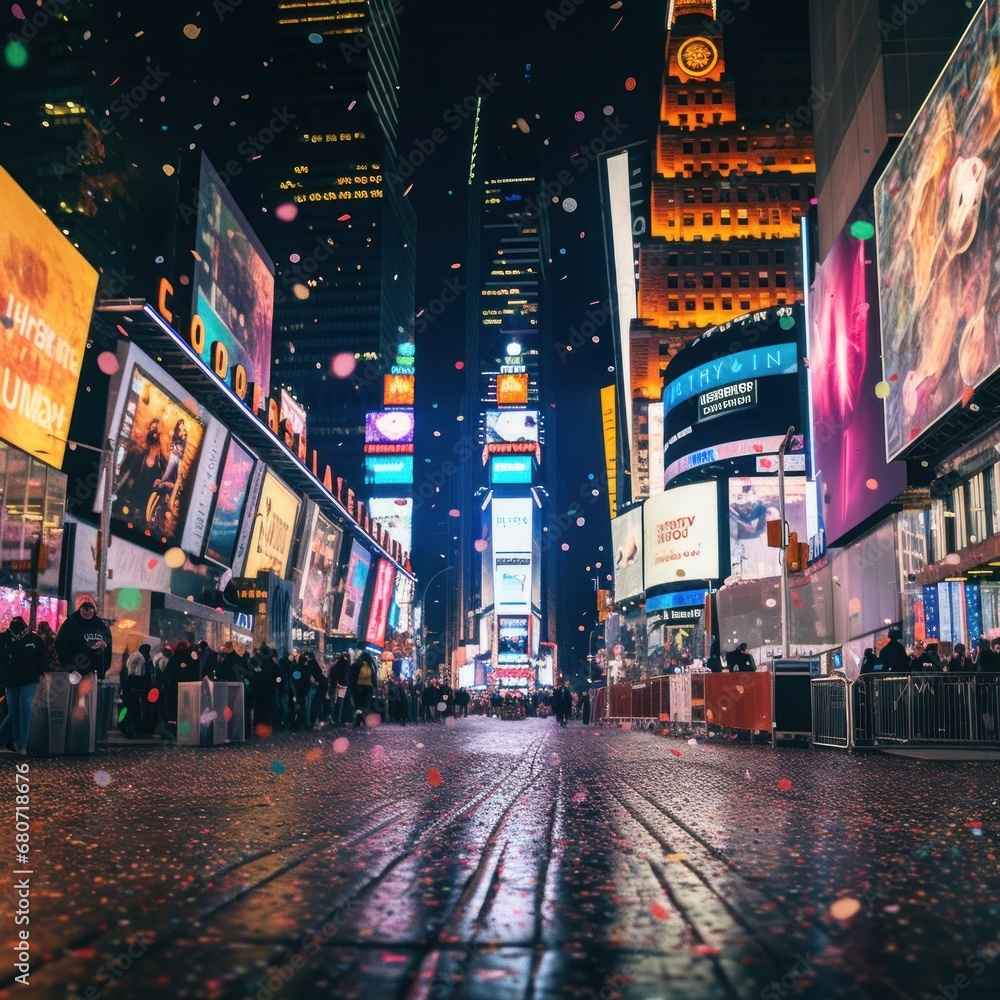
(562, 703)
(23, 660)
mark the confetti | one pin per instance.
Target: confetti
(785, 784)
(107, 361)
(175, 557)
(660, 912)
(263, 730)
(102, 778)
(434, 777)
(287, 212)
(277, 767)
(341, 744)
(193, 31)
(676, 753)
(153, 696)
(844, 909)
(343, 365)
(580, 797)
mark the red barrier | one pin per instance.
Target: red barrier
(739, 701)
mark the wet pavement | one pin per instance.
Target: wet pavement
(490, 859)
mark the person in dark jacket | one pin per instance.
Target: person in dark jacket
(960, 661)
(23, 660)
(742, 660)
(207, 658)
(925, 659)
(989, 657)
(893, 655)
(228, 665)
(182, 668)
(364, 677)
(870, 663)
(562, 703)
(83, 642)
(340, 678)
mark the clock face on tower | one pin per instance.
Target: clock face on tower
(697, 56)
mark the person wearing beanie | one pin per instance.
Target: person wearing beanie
(83, 642)
(23, 660)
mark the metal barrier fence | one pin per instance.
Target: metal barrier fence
(831, 712)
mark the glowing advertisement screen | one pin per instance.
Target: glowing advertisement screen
(397, 390)
(156, 446)
(354, 588)
(322, 557)
(46, 298)
(230, 500)
(395, 514)
(378, 613)
(752, 503)
(511, 525)
(681, 535)
(845, 368)
(392, 469)
(233, 282)
(273, 530)
(511, 470)
(389, 427)
(937, 212)
(511, 425)
(626, 540)
(512, 638)
(512, 389)
(513, 581)
(294, 416)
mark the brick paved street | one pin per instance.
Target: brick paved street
(575, 863)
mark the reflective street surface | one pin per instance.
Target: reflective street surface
(507, 859)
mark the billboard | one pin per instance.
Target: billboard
(321, 558)
(378, 613)
(395, 514)
(512, 638)
(626, 541)
(512, 389)
(936, 212)
(46, 298)
(392, 469)
(681, 535)
(354, 587)
(734, 392)
(273, 529)
(233, 282)
(511, 524)
(157, 439)
(513, 580)
(293, 414)
(230, 500)
(515, 469)
(397, 390)
(389, 427)
(848, 418)
(507, 426)
(753, 502)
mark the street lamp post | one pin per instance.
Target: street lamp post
(785, 596)
(423, 612)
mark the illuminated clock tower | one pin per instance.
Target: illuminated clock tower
(731, 179)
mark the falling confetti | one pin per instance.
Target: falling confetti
(262, 730)
(784, 784)
(102, 778)
(15, 9)
(192, 31)
(277, 767)
(569, 204)
(660, 912)
(175, 557)
(882, 389)
(844, 909)
(343, 365)
(153, 696)
(209, 715)
(434, 777)
(287, 212)
(341, 744)
(107, 361)
(129, 598)
(676, 753)
(580, 797)
(630, 83)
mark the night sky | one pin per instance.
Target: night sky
(580, 53)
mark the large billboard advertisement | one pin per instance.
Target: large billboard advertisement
(293, 416)
(46, 297)
(395, 514)
(378, 613)
(273, 529)
(389, 427)
(512, 639)
(318, 567)
(937, 213)
(230, 499)
(397, 390)
(681, 534)
(517, 469)
(626, 541)
(734, 392)
(354, 587)
(511, 425)
(511, 524)
(233, 283)
(158, 439)
(512, 389)
(388, 469)
(844, 369)
(753, 501)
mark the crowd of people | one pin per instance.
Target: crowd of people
(291, 691)
(894, 658)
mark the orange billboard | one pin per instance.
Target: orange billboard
(397, 390)
(47, 294)
(512, 389)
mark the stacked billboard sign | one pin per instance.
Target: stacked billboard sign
(626, 540)
(681, 533)
(937, 213)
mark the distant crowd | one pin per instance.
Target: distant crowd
(894, 658)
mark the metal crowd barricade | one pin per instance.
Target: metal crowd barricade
(831, 712)
(926, 710)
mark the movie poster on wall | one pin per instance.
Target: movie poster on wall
(937, 210)
(230, 500)
(321, 560)
(47, 294)
(753, 501)
(354, 587)
(626, 540)
(273, 530)
(681, 535)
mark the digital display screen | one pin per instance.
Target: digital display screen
(322, 556)
(511, 470)
(397, 390)
(45, 285)
(389, 427)
(511, 425)
(395, 514)
(626, 539)
(378, 614)
(512, 637)
(512, 389)
(156, 446)
(392, 469)
(230, 500)
(233, 282)
(354, 587)
(752, 503)
(937, 213)
(273, 529)
(681, 535)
